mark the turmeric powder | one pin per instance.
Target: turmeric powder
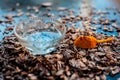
(89, 41)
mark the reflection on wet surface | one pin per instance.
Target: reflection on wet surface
(108, 7)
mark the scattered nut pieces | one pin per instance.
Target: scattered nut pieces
(68, 62)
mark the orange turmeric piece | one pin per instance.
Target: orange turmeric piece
(89, 41)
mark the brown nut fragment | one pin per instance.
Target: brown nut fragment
(46, 4)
